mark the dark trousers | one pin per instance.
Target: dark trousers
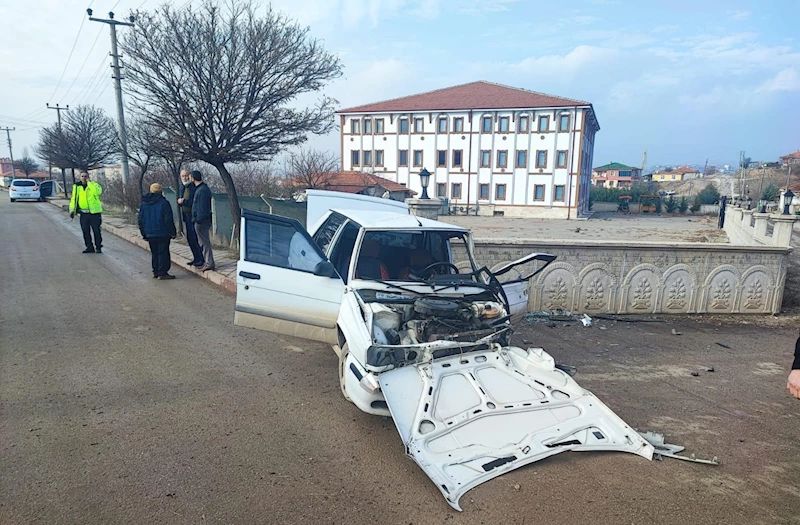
(159, 253)
(90, 223)
(191, 238)
(204, 238)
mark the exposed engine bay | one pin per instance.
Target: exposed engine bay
(413, 325)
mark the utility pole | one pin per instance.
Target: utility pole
(59, 109)
(123, 134)
(11, 151)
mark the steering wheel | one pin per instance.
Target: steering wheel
(429, 269)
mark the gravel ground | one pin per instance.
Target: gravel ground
(129, 400)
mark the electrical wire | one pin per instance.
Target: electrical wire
(22, 121)
(102, 92)
(83, 64)
(89, 86)
(83, 20)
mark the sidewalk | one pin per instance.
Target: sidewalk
(224, 275)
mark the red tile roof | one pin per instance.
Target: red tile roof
(356, 181)
(475, 95)
(795, 155)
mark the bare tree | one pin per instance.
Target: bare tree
(26, 165)
(87, 139)
(144, 145)
(223, 78)
(311, 169)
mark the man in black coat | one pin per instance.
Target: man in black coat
(201, 216)
(157, 228)
(185, 203)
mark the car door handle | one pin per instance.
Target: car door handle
(248, 275)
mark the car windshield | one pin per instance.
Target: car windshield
(23, 183)
(408, 255)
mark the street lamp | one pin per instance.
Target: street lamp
(787, 201)
(424, 179)
(749, 203)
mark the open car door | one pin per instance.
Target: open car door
(472, 417)
(516, 288)
(284, 283)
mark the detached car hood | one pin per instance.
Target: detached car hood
(469, 418)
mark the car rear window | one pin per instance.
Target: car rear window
(23, 183)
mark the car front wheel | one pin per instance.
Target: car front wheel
(343, 370)
(13, 200)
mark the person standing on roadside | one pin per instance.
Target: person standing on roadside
(86, 203)
(201, 216)
(793, 383)
(185, 203)
(157, 228)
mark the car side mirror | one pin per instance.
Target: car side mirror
(325, 269)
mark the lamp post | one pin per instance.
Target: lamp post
(787, 201)
(749, 203)
(424, 178)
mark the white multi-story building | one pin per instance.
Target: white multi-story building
(497, 149)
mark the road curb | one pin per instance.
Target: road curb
(177, 260)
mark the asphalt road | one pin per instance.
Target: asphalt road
(129, 400)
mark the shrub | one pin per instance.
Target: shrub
(671, 204)
(696, 205)
(709, 194)
(683, 205)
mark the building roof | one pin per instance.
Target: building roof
(357, 181)
(681, 169)
(795, 155)
(475, 95)
(614, 166)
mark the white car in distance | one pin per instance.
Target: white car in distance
(419, 338)
(24, 189)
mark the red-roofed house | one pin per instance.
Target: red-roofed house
(506, 150)
(792, 159)
(364, 183)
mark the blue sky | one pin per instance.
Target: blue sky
(686, 80)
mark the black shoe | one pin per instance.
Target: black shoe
(88, 250)
(99, 250)
(199, 264)
(165, 277)
(155, 276)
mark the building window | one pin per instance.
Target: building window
(441, 190)
(418, 123)
(367, 158)
(486, 159)
(484, 191)
(673, 176)
(458, 124)
(500, 192)
(541, 159)
(417, 157)
(558, 193)
(522, 124)
(544, 123)
(503, 125)
(455, 190)
(442, 125)
(355, 127)
(379, 157)
(354, 157)
(563, 123)
(367, 126)
(403, 125)
(441, 159)
(457, 154)
(502, 158)
(487, 125)
(403, 160)
(379, 125)
(626, 173)
(522, 158)
(561, 159)
(538, 192)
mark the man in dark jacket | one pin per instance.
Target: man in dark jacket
(185, 203)
(201, 216)
(157, 228)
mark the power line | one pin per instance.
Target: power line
(91, 83)
(22, 120)
(83, 20)
(84, 63)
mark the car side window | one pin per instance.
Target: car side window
(282, 243)
(324, 235)
(343, 249)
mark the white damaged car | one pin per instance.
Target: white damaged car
(421, 339)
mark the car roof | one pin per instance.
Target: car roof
(29, 180)
(395, 221)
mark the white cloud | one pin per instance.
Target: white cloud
(786, 80)
(570, 63)
(740, 15)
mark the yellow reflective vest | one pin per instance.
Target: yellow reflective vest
(87, 199)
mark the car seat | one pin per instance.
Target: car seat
(369, 264)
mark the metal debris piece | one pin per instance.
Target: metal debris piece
(695, 373)
(571, 370)
(586, 320)
(671, 451)
(630, 319)
(723, 346)
(675, 332)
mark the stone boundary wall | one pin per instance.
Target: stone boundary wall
(619, 277)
